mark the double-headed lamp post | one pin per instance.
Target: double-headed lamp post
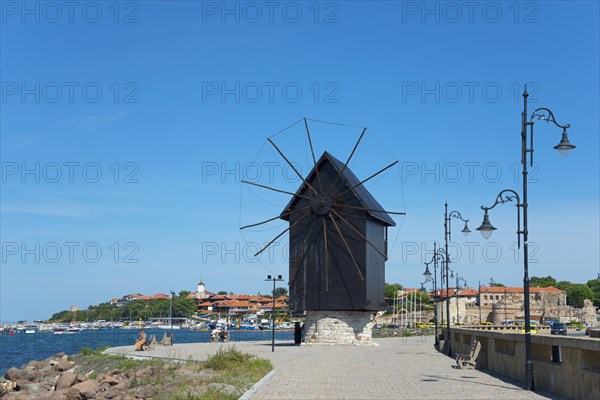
(274, 279)
(427, 274)
(447, 235)
(486, 228)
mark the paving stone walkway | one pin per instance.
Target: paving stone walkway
(399, 368)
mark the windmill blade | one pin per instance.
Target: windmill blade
(347, 247)
(274, 218)
(371, 210)
(284, 231)
(370, 177)
(347, 161)
(360, 234)
(292, 166)
(276, 190)
(312, 151)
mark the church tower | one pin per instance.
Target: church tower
(201, 292)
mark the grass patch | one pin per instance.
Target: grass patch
(224, 375)
(99, 352)
(228, 359)
(238, 369)
(95, 360)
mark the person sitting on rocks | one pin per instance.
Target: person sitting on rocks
(141, 341)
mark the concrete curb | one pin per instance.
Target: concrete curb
(248, 394)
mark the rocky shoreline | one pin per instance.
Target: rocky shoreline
(100, 376)
(58, 378)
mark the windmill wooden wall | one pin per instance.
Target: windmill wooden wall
(337, 282)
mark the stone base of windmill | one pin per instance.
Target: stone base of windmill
(339, 328)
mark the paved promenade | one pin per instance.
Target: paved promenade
(400, 368)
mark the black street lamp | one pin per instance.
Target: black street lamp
(427, 274)
(479, 301)
(171, 313)
(564, 147)
(274, 279)
(447, 233)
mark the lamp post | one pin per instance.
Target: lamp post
(564, 147)
(274, 279)
(427, 275)
(479, 301)
(447, 235)
(171, 313)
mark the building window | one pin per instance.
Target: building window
(497, 297)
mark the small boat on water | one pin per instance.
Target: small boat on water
(59, 331)
(248, 327)
(165, 326)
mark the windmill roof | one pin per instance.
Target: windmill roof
(360, 191)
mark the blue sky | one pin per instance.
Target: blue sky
(138, 122)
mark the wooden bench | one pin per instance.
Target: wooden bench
(468, 361)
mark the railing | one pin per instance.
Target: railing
(563, 365)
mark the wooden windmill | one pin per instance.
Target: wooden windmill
(338, 237)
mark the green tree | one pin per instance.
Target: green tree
(280, 291)
(493, 283)
(580, 293)
(576, 292)
(223, 292)
(183, 307)
(594, 284)
(543, 281)
(184, 293)
(390, 290)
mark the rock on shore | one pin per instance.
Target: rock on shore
(58, 378)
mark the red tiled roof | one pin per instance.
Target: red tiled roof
(260, 299)
(232, 303)
(240, 296)
(519, 289)
(467, 292)
(442, 292)
(220, 297)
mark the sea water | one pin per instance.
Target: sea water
(18, 349)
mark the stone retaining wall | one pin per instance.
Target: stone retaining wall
(563, 365)
(339, 328)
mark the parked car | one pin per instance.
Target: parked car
(558, 329)
(532, 328)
